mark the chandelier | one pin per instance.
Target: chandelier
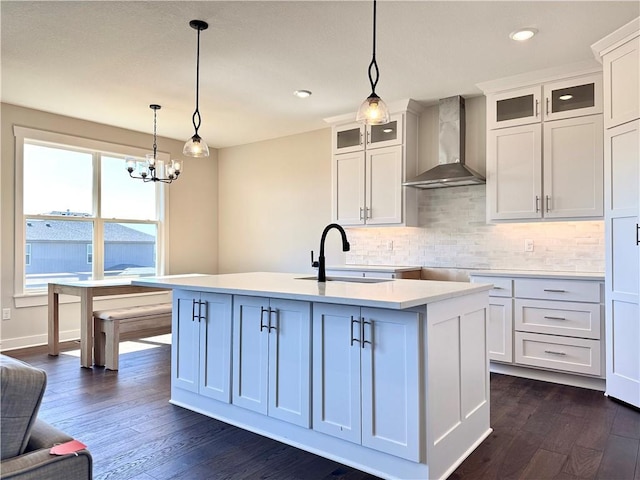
(147, 170)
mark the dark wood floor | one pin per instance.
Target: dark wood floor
(541, 430)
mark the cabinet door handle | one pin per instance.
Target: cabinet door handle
(193, 309)
(548, 317)
(275, 310)
(537, 108)
(547, 108)
(553, 290)
(360, 138)
(353, 320)
(637, 234)
(553, 352)
(367, 212)
(361, 216)
(537, 203)
(362, 324)
(548, 199)
(200, 316)
(262, 324)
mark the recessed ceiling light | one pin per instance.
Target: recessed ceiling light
(302, 93)
(523, 34)
(565, 97)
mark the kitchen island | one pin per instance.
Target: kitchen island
(388, 376)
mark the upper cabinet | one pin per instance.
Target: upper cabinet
(369, 164)
(621, 71)
(354, 137)
(545, 147)
(565, 98)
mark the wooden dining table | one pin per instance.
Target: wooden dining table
(86, 290)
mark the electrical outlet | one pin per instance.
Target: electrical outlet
(528, 245)
(6, 314)
(390, 245)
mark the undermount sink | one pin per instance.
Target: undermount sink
(349, 279)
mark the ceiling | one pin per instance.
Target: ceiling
(106, 61)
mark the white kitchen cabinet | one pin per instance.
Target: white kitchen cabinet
(622, 217)
(546, 323)
(201, 346)
(619, 55)
(565, 98)
(544, 146)
(365, 365)
(272, 357)
(347, 138)
(354, 137)
(514, 173)
(553, 170)
(500, 334)
(368, 168)
(573, 168)
(621, 68)
(515, 107)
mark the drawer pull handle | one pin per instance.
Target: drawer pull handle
(548, 317)
(498, 288)
(553, 290)
(552, 352)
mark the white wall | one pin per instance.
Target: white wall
(275, 200)
(192, 217)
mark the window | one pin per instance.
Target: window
(81, 216)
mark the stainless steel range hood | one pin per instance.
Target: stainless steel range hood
(451, 170)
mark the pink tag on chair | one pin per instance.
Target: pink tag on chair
(68, 447)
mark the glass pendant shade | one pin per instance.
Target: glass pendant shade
(195, 147)
(373, 111)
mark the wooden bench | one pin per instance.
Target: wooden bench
(109, 324)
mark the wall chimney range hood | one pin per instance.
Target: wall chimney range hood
(451, 170)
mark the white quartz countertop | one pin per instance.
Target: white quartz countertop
(394, 294)
(597, 276)
(373, 268)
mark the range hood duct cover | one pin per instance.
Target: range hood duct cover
(451, 170)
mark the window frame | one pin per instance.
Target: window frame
(97, 148)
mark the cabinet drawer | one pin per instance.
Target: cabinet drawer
(558, 318)
(550, 289)
(577, 355)
(502, 287)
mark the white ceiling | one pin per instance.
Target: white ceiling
(106, 61)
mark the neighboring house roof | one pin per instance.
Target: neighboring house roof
(69, 231)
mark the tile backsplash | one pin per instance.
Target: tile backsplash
(453, 234)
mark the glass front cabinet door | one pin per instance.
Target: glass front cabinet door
(386, 135)
(516, 107)
(348, 138)
(574, 97)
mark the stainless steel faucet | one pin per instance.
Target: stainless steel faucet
(322, 276)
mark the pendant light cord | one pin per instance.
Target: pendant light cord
(196, 114)
(155, 144)
(373, 63)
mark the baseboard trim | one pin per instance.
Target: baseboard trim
(549, 376)
(36, 340)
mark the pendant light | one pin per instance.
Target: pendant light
(373, 110)
(147, 171)
(195, 146)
